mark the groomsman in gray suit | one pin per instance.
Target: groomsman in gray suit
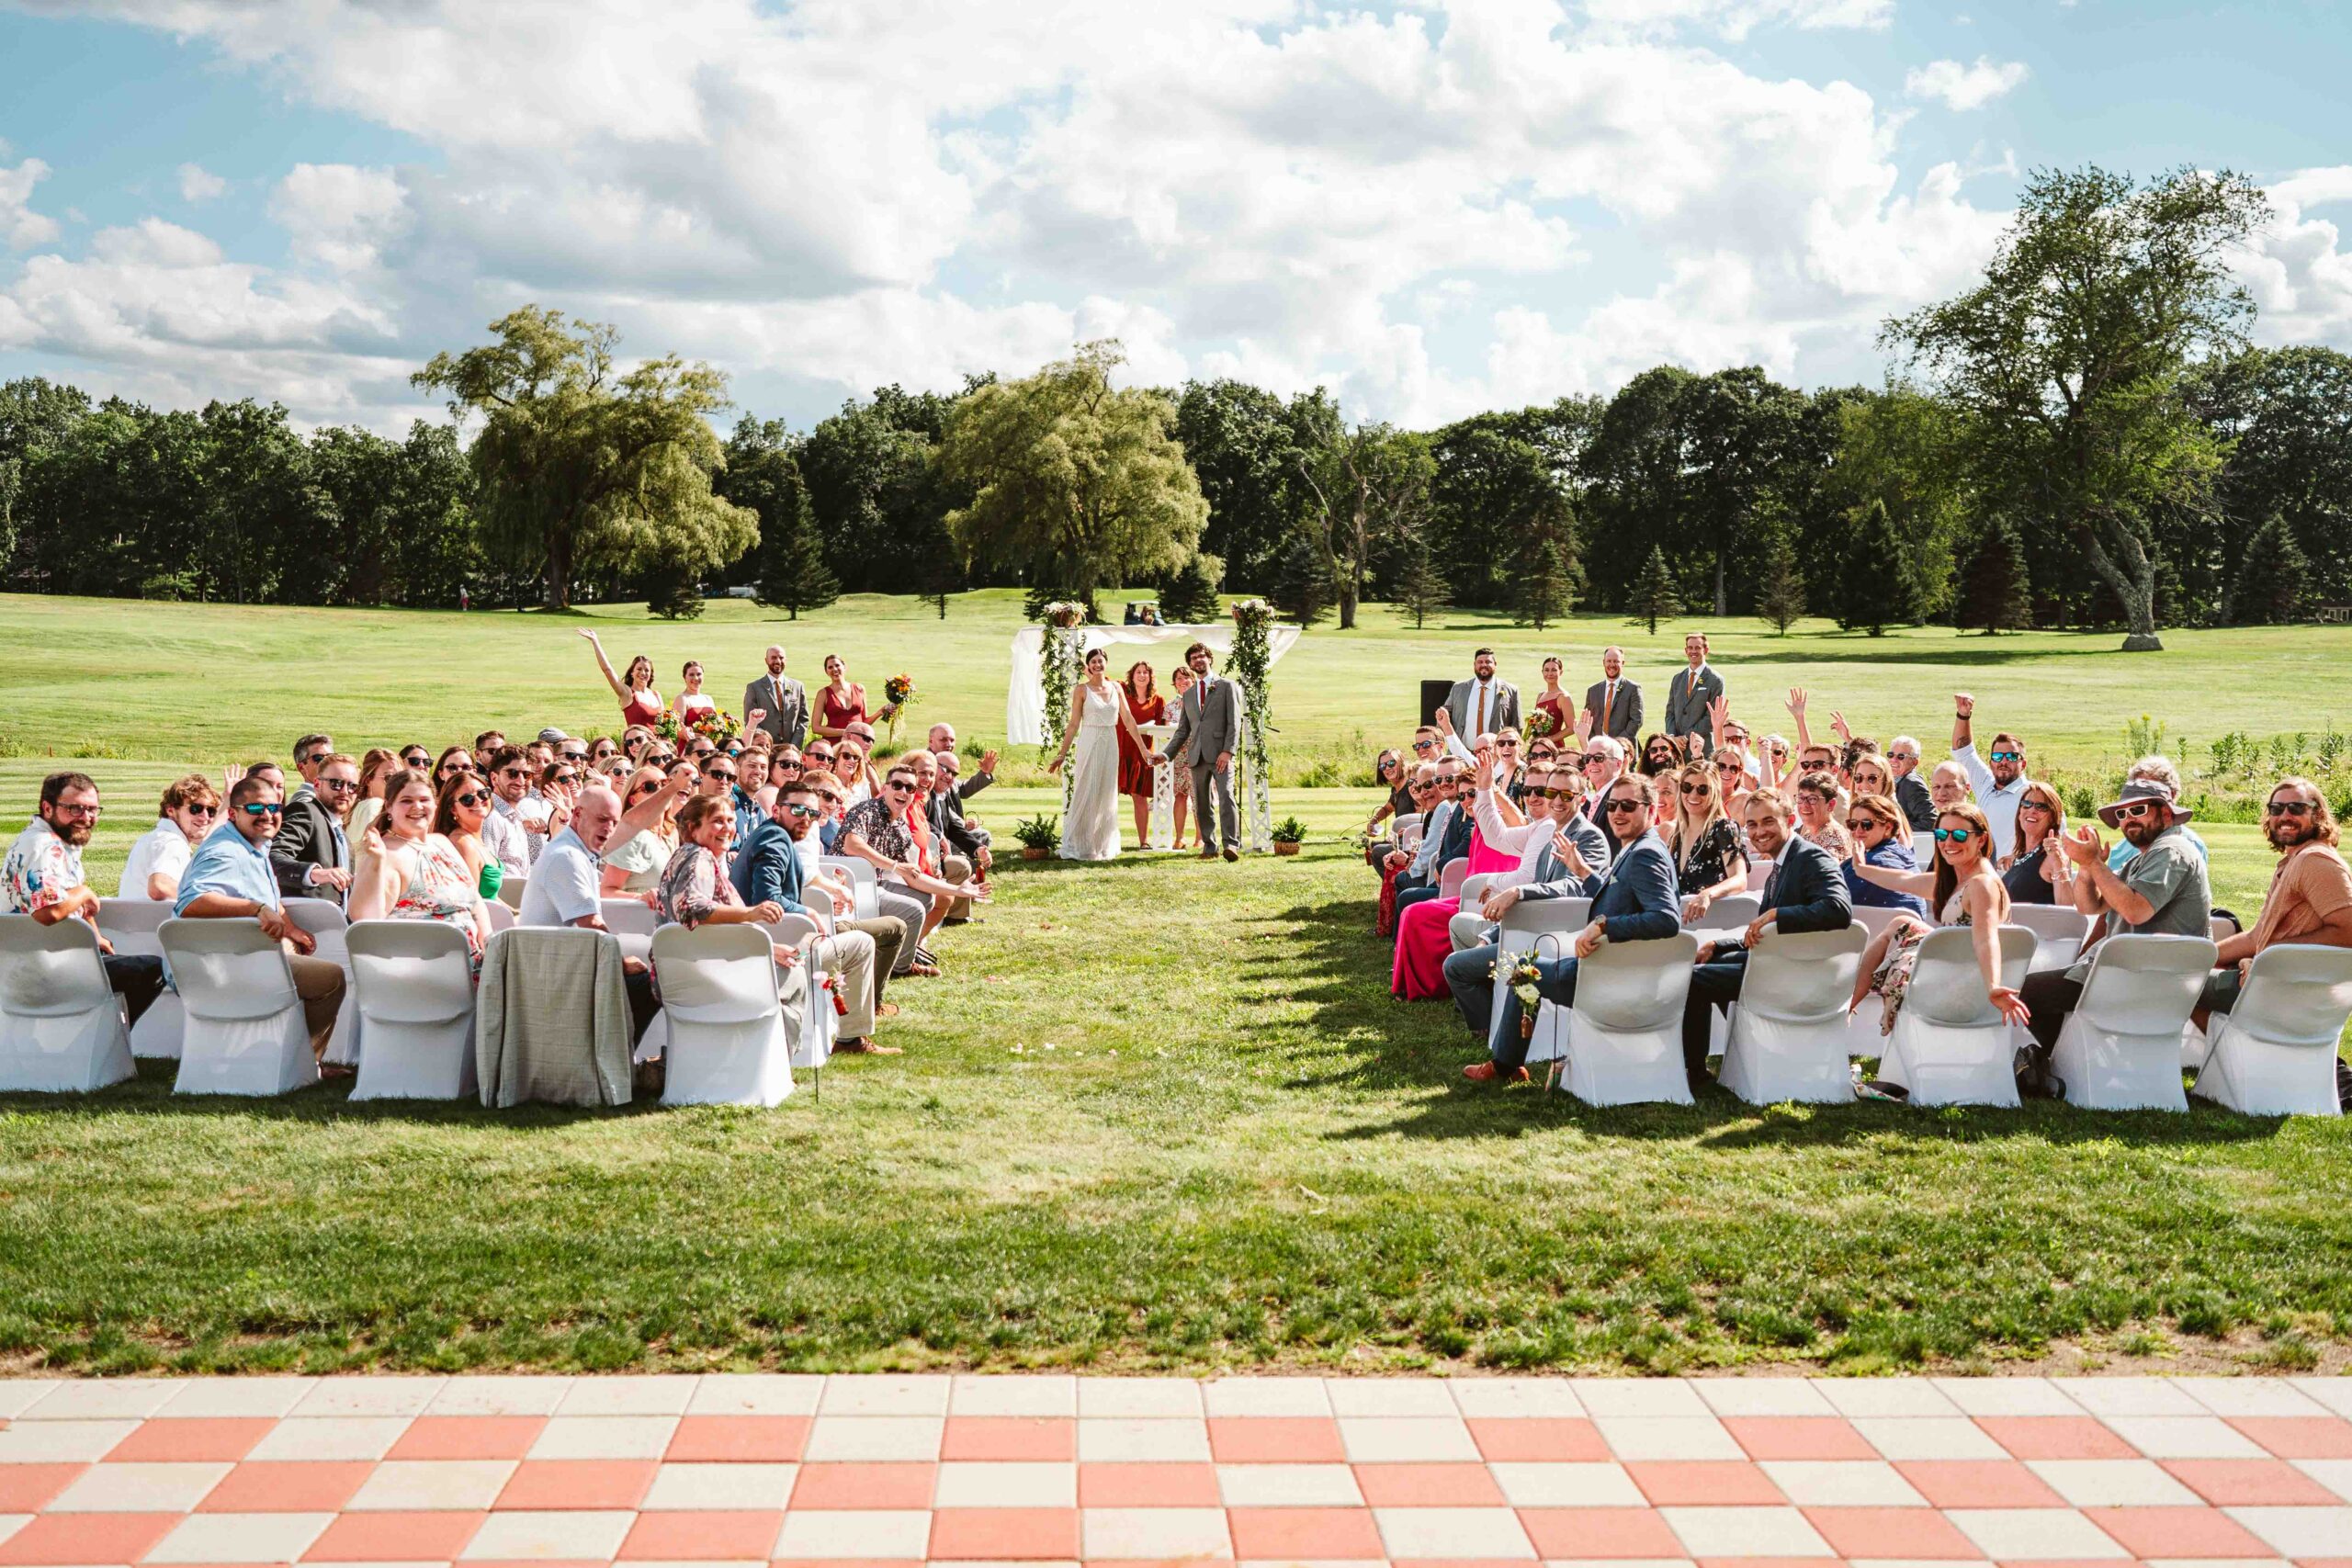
(1695, 690)
(1614, 702)
(1482, 704)
(1207, 733)
(780, 702)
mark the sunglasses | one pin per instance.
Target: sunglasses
(470, 800)
(806, 813)
(898, 784)
(201, 810)
(816, 757)
(1902, 756)
(1952, 835)
(516, 771)
(2292, 808)
(1727, 767)
(1538, 793)
(1862, 824)
(1425, 787)
(1692, 790)
(2008, 756)
(457, 768)
(567, 778)
(1506, 744)
(727, 773)
(417, 760)
(251, 808)
(338, 785)
(1627, 805)
(1424, 745)
(2134, 811)
(2038, 807)
(574, 756)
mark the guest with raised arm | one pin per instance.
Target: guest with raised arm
(1999, 786)
(1875, 825)
(415, 872)
(640, 704)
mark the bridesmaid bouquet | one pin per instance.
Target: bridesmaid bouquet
(897, 692)
(714, 724)
(1540, 724)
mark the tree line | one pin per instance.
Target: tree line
(2085, 437)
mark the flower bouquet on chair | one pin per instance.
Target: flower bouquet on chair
(1518, 971)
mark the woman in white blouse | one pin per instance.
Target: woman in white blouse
(191, 809)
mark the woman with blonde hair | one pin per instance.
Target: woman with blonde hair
(1708, 861)
(1870, 777)
(634, 865)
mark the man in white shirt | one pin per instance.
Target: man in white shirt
(503, 829)
(566, 886)
(1552, 819)
(1999, 788)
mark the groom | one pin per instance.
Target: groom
(1210, 719)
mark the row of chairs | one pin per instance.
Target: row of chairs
(1789, 1037)
(233, 1020)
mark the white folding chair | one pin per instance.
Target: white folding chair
(246, 1033)
(502, 919)
(510, 891)
(866, 883)
(2059, 930)
(1874, 918)
(629, 917)
(1406, 825)
(1949, 1046)
(1625, 1028)
(327, 924)
(1451, 875)
(1786, 1036)
(413, 982)
(1545, 929)
(2221, 927)
(2120, 1049)
(1472, 891)
(1731, 913)
(2274, 1053)
(1862, 1038)
(131, 924)
(61, 1027)
(728, 1044)
(819, 1025)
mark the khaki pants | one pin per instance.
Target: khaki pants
(319, 982)
(955, 868)
(889, 934)
(850, 955)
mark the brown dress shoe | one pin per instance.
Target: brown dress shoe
(1232, 853)
(1487, 1072)
(857, 1045)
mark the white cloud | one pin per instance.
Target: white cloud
(339, 216)
(2297, 270)
(20, 226)
(1734, 20)
(1963, 87)
(199, 184)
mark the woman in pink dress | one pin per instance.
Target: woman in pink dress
(640, 704)
(1424, 930)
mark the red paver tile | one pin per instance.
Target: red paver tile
(1472, 1562)
(192, 1438)
(1537, 1439)
(577, 1483)
(1010, 1438)
(88, 1537)
(858, 1562)
(1275, 1439)
(27, 1488)
(287, 1486)
(2178, 1532)
(1428, 1486)
(696, 1536)
(1978, 1483)
(394, 1537)
(894, 1484)
(467, 1437)
(1703, 1482)
(2055, 1436)
(1797, 1436)
(1771, 1562)
(2299, 1437)
(1572, 1533)
(1309, 1533)
(739, 1439)
(1891, 1532)
(2250, 1482)
(976, 1534)
(1156, 1485)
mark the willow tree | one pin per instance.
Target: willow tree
(1074, 482)
(585, 467)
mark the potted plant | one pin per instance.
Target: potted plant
(1288, 834)
(1039, 836)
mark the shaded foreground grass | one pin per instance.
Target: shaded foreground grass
(1160, 1113)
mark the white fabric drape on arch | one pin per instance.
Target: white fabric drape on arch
(1024, 698)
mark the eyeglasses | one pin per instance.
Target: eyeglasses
(1635, 804)
(2292, 808)
(2008, 756)
(1862, 824)
(251, 808)
(471, 798)
(2136, 810)
(90, 810)
(338, 785)
(1952, 835)
(2038, 807)
(805, 813)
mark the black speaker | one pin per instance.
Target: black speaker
(1433, 695)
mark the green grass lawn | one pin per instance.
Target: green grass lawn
(1157, 1113)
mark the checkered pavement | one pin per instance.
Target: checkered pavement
(912, 1470)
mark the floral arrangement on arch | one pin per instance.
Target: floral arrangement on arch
(1252, 656)
(715, 725)
(1060, 663)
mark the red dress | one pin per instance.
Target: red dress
(641, 707)
(1425, 931)
(832, 714)
(1564, 717)
(1134, 763)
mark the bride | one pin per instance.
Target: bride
(1096, 715)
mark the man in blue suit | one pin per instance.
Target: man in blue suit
(1635, 900)
(1803, 892)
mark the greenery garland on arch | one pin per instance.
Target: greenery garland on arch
(1252, 658)
(1059, 663)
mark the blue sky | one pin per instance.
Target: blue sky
(1431, 208)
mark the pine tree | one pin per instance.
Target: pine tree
(1994, 591)
(1779, 595)
(1303, 590)
(1881, 583)
(673, 592)
(793, 573)
(1655, 599)
(1541, 592)
(1421, 588)
(1190, 599)
(2271, 578)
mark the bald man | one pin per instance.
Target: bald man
(778, 700)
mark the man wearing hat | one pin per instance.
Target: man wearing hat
(2161, 891)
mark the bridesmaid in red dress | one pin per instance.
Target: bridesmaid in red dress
(840, 702)
(1147, 706)
(640, 704)
(1557, 702)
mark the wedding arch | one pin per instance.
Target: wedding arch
(1031, 720)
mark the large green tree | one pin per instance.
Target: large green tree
(1073, 481)
(2068, 359)
(1367, 489)
(764, 475)
(584, 465)
(1243, 445)
(2285, 414)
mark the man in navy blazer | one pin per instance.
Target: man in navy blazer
(1636, 900)
(1803, 892)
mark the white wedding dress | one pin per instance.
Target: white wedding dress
(1091, 827)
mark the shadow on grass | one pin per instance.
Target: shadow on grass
(1341, 968)
(151, 1094)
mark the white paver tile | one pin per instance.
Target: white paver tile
(1842, 1484)
(1668, 1436)
(1006, 1485)
(21, 1394)
(2113, 1482)
(1392, 1439)
(1576, 1485)
(647, 1396)
(1162, 1533)
(1451, 1532)
(330, 1436)
(719, 1486)
(1288, 1486)
(1391, 1396)
(2335, 1474)
(138, 1489)
(888, 1393)
(874, 1438)
(2299, 1532)
(240, 1537)
(2185, 1436)
(1138, 1397)
(417, 1484)
(2039, 1534)
(1762, 1396)
(1890, 1397)
(499, 1396)
(238, 1396)
(605, 1437)
(1745, 1532)
(102, 1399)
(1267, 1397)
(1932, 1436)
(1041, 1395)
(590, 1535)
(1638, 1396)
(370, 1397)
(2251, 1396)
(61, 1442)
(757, 1393)
(1504, 1397)
(1123, 1440)
(901, 1533)
(2008, 1396)
(2132, 1396)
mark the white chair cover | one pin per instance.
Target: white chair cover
(510, 890)
(1731, 913)
(1786, 1036)
(245, 1021)
(1544, 929)
(326, 924)
(502, 919)
(812, 1044)
(629, 917)
(1625, 1030)
(1949, 1047)
(1451, 875)
(2059, 930)
(131, 924)
(412, 983)
(728, 1044)
(2274, 1053)
(1472, 891)
(1408, 831)
(2120, 1049)
(1874, 918)
(61, 1027)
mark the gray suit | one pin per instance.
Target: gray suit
(1199, 737)
(1623, 717)
(1502, 709)
(1686, 704)
(787, 717)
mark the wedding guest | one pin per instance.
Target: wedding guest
(1819, 804)
(312, 852)
(1736, 782)
(486, 746)
(1946, 787)
(1388, 773)
(1659, 756)
(640, 704)
(1910, 790)
(1873, 822)
(563, 890)
(2036, 872)
(1136, 772)
(965, 843)
(459, 810)
(452, 760)
(229, 877)
(768, 871)
(1483, 703)
(415, 757)
(841, 702)
(1998, 786)
(503, 832)
(2309, 900)
(1869, 774)
(875, 831)
(695, 889)
(633, 865)
(41, 877)
(191, 808)
(1604, 763)
(1708, 861)
(416, 873)
(374, 766)
(2160, 770)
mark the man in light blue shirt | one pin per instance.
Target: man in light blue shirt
(229, 877)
